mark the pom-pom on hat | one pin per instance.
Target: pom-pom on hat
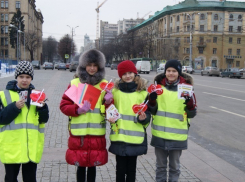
(126, 66)
(174, 64)
(24, 67)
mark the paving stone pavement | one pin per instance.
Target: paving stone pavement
(53, 167)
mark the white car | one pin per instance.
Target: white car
(187, 69)
(143, 66)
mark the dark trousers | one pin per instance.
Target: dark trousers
(126, 167)
(81, 174)
(28, 172)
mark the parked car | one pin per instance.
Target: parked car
(61, 66)
(36, 64)
(73, 66)
(113, 66)
(231, 72)
(187, 69)
(242, 70)
(48, 66)
(143, 66)
(56, 65)
(67, 65)
(210, 71)
(108, 65)
(161, 68)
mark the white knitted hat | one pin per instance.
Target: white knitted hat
(24, 67)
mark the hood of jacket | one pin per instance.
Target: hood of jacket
(184, 78)
(11, 85)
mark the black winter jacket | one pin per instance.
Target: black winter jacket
(9, 113)
(171, 144)
(125, 149)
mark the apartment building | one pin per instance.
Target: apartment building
(126, 24)
(107, 32)
(33, 23)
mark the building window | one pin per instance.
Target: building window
(238, 52)
(6, 53)
(188, 39)
(231, 17)
(239, 29)
(2, 4)
(229, 51)
(2, 17)
(216, 17)
(239, 17)
(165, 21)
(215, 28)
(188, 28)
(2, 29)
(6, 29)
(214, 50)
(201, 39)
(238, 40)
(6, 4)
(6, 41)
(237, 64)
(214, 63)
(171, 20)
(187, 50)
(177, 30)
(201, 28)
(2, 41)
(230, 28)
(230, 40)
(6, 17)
(17, 5)
(214, 39)
(200, 50)
(177, 17)
(202, 17)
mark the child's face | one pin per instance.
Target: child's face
(128, 77)
(172, 74)
(24, 81)
(92, 68)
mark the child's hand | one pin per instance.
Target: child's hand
(19, 104)
(111, 120)
(85, 108)
(108, 97)
(142, 116)
(43, 103)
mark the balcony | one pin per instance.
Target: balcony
(201, 44)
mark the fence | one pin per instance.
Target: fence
(7, 66)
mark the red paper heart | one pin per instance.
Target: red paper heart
(106, 86)
(138, 109)
(155, 88)
(35, 96)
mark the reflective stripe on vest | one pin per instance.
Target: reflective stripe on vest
(91, 123)
(125, 129)
(22, 140)
(170, 121)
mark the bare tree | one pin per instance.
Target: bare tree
(65, 47)
(49, 48)
(32, 42)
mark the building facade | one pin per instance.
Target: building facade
(33, 23)
(88, 44)
(125, 24)
(210, 33)
(107, 32)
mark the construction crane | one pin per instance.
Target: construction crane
(98, 19)
(146, 14)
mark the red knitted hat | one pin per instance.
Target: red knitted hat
(126, 66)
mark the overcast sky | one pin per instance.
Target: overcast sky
(60, 13)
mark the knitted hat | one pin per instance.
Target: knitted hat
(24, 67)
(126, 66)
(173, 64)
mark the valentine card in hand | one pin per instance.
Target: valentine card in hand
(138, 109)
(112, 113)
(23, 95)
(155, 88)
(106, 86)
(37, 97)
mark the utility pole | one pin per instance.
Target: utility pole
(72, 30)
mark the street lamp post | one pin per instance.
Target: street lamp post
(190, 61)
(72, 29)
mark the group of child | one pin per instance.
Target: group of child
(87, 143)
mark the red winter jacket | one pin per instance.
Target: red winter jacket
(84, 151)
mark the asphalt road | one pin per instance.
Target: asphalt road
(219, 124)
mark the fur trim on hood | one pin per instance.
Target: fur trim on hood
(142, 83)
(187, 77)
(91, 56)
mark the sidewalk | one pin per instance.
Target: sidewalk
(197, 163)
(3, 75)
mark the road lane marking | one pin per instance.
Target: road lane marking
(221, 88)
(223, 96)
(228, 111)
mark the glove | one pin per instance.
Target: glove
(153, 96)
(86, 106)
(189, 103)
(108, 97)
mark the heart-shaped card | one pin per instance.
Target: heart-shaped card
(106, 86)
(38, 97)
(138, 109)
(155, 88)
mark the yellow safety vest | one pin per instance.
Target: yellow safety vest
(22, 140)
(170, 121)
(126, 129)
(91, 123)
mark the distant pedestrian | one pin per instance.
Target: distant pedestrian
(128, 134)
(170, 125)
(21, 126)
(87, 143)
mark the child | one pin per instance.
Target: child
(87, 143)
(128, 134)
(170, 125)
(21, 126)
